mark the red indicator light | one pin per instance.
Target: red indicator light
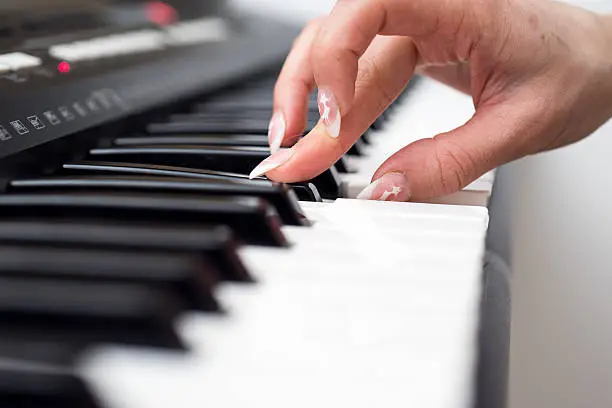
(63, 67)
(161, 13)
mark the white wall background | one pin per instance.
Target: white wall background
(562, 239)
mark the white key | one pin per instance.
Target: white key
(326, 322)
(308, 334)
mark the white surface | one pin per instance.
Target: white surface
(19, 60)
(562, 317)
(562, 323)
(353, 315)
(110, 46)
(296, 10)
(198, 31)
(141, 41)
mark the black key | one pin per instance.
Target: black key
(304, 191)
(220, 158)
(366, 138)
(228, 159)
(60, 353)
(279, 195)
(341, 166)
(193, 124)
(307, 192)
(204, 139)
(312, 117)
(221, 140)
(379, 123)
(252, 219)
(241, 115)
(87, 313)
(37, 386)
(100, 167)
(248, 126)
(241, 104)
(215, 244)
(188, 278)
(328, 183)
(357, 149)
(223, 124)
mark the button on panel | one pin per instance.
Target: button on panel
(109, 46)
(18, 60)
(198, 31)
(141, 41)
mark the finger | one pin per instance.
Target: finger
(448, 162)
(294, 85)
(347, 32)
(384, 71)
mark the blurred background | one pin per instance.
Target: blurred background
(561, 205)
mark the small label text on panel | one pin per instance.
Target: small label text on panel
(4, 134)
(36, 122)
(20, 127)
(66, 114)
(52, 118)
(92, 104)
(80, 109)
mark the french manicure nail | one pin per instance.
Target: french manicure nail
(390, 187)
(330, 112)
(276, 131)
(277, 159)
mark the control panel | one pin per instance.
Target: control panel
(65, 87)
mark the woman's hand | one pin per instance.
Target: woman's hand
(539, 72)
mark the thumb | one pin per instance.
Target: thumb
(448, 162)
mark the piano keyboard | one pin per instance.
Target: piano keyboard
(380, 312)
(140, 267)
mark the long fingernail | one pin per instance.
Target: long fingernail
(276, 131)
(390, 187)
(330, 112)
(276, 160)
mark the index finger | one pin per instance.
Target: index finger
(352, 25)
(384, 72)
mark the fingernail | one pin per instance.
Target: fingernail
(330, 112)
(390, 187)
(276, 131)
(276, 160)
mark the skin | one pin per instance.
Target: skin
(539, 73)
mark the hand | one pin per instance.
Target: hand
(539, 72)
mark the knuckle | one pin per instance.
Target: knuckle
(331, 43)
(372, 77)
(368, 73)
(327, 46)
(321, 46)
(311, 29)
(315, 24)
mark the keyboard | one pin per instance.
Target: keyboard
(140, 267)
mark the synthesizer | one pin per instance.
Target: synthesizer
(140, 267)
